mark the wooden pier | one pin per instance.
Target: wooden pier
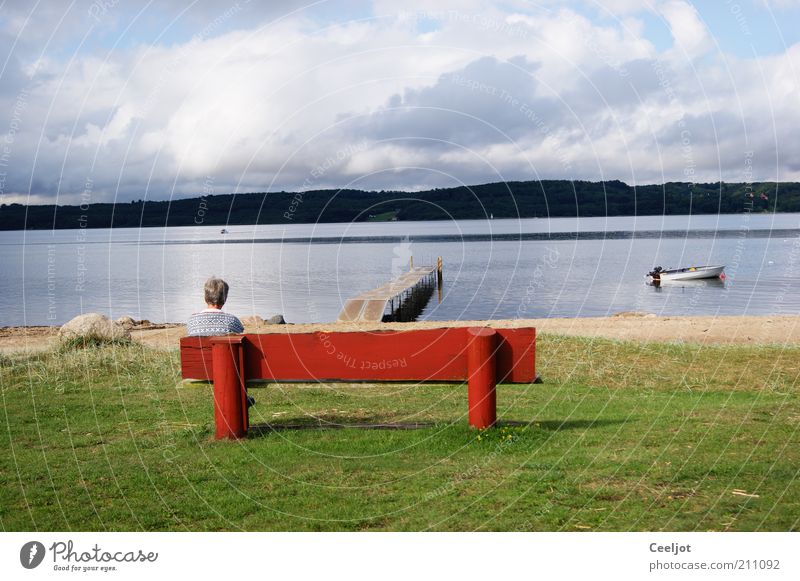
(401, 299)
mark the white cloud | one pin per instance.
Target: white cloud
(474, 94)
(690, 34)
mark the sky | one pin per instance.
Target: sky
(114, 101)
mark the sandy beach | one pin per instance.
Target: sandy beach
(739, 330)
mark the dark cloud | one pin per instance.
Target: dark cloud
(487, 101)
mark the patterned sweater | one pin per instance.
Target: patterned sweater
(213, 322)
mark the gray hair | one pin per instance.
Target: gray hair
(216, 291)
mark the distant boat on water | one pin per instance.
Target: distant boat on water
(659, 274)
(223, 231)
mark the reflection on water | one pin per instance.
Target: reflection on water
(49, 277)
(697, 283)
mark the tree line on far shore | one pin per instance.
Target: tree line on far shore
(528, 199)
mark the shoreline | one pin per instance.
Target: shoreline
(404, 221)
(626, 326)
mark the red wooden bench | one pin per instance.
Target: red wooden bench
(481, 356)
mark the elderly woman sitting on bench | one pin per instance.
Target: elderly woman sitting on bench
(213, 320)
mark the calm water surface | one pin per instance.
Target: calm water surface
(560, 267)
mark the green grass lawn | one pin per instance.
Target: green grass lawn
(383, 217)
(621, 436)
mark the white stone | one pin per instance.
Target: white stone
(93, 326)
(126, 322)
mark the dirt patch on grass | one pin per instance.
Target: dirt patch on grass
(27, 339)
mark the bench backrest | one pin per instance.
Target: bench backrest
(437, 355)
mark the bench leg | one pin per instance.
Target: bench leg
(481, 366)
(230, 405)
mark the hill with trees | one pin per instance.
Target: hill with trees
(527, 199)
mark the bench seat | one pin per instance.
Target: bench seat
(483, 356)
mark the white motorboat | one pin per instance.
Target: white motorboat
(689, 273)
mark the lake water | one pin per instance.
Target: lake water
(493, 269)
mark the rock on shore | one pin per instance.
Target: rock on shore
(127, 322)
(93, 326)
(257, 321)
